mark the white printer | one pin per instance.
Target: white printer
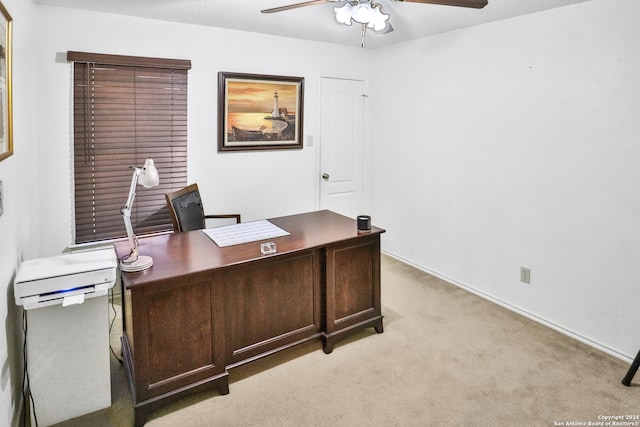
(65, 279)
(68, 358)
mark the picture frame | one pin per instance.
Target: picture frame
(6, 108)
(259, 112)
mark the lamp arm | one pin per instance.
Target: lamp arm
(132, 189)
(126, 215)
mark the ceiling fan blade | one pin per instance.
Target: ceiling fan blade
(477, 4)
(297, 5)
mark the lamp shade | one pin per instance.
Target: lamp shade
(149, 176)
(362, 13)
(378, 20)
(343, 13)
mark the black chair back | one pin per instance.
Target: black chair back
(189, 211)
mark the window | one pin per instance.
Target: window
(126, 109)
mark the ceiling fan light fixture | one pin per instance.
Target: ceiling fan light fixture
(362, 12)
(379, 20)
(369, 14)
(344, 13)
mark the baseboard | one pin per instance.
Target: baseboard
(591, 343)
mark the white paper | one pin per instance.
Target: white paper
(73, 299)
(244, 232)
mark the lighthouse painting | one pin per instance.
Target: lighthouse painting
(259, 112)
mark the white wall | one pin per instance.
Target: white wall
(508, 144)
(517, 143)
(15, 223)
(254, 184)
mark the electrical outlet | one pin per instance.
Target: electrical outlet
(525, 275)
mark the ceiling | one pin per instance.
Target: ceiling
(409, 20)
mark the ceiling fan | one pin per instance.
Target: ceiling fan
(369, 14)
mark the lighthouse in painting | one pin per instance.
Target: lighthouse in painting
(276, 109)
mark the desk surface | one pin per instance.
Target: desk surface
(195, 252)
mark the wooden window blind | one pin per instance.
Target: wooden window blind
(126, 109)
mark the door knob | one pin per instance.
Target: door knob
(325, 176)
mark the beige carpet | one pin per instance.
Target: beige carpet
(446, 358)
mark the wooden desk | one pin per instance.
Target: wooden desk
(201, 309)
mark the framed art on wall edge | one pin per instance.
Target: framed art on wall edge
(6, 114)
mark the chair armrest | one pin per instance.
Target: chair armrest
(236, 216)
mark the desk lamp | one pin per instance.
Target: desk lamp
(147, 177)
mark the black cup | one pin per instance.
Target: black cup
(364, 223)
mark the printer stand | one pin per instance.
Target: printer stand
(68, 360)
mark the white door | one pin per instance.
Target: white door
(342, 146)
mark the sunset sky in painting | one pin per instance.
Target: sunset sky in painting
(246, 96)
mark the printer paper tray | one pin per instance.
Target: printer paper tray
(50, 291)
(62, 297)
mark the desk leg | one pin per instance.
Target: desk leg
(140, 417)
(141, 412)
(223, 385)
(379, 326)
(327, 347)
(329, 340)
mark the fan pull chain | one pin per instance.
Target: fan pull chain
(364, 33)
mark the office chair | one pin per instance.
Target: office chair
(186, 210)
(632, 371)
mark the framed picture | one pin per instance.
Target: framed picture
(6, 114)
(259, 112)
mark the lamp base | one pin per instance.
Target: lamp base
(142, 263)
